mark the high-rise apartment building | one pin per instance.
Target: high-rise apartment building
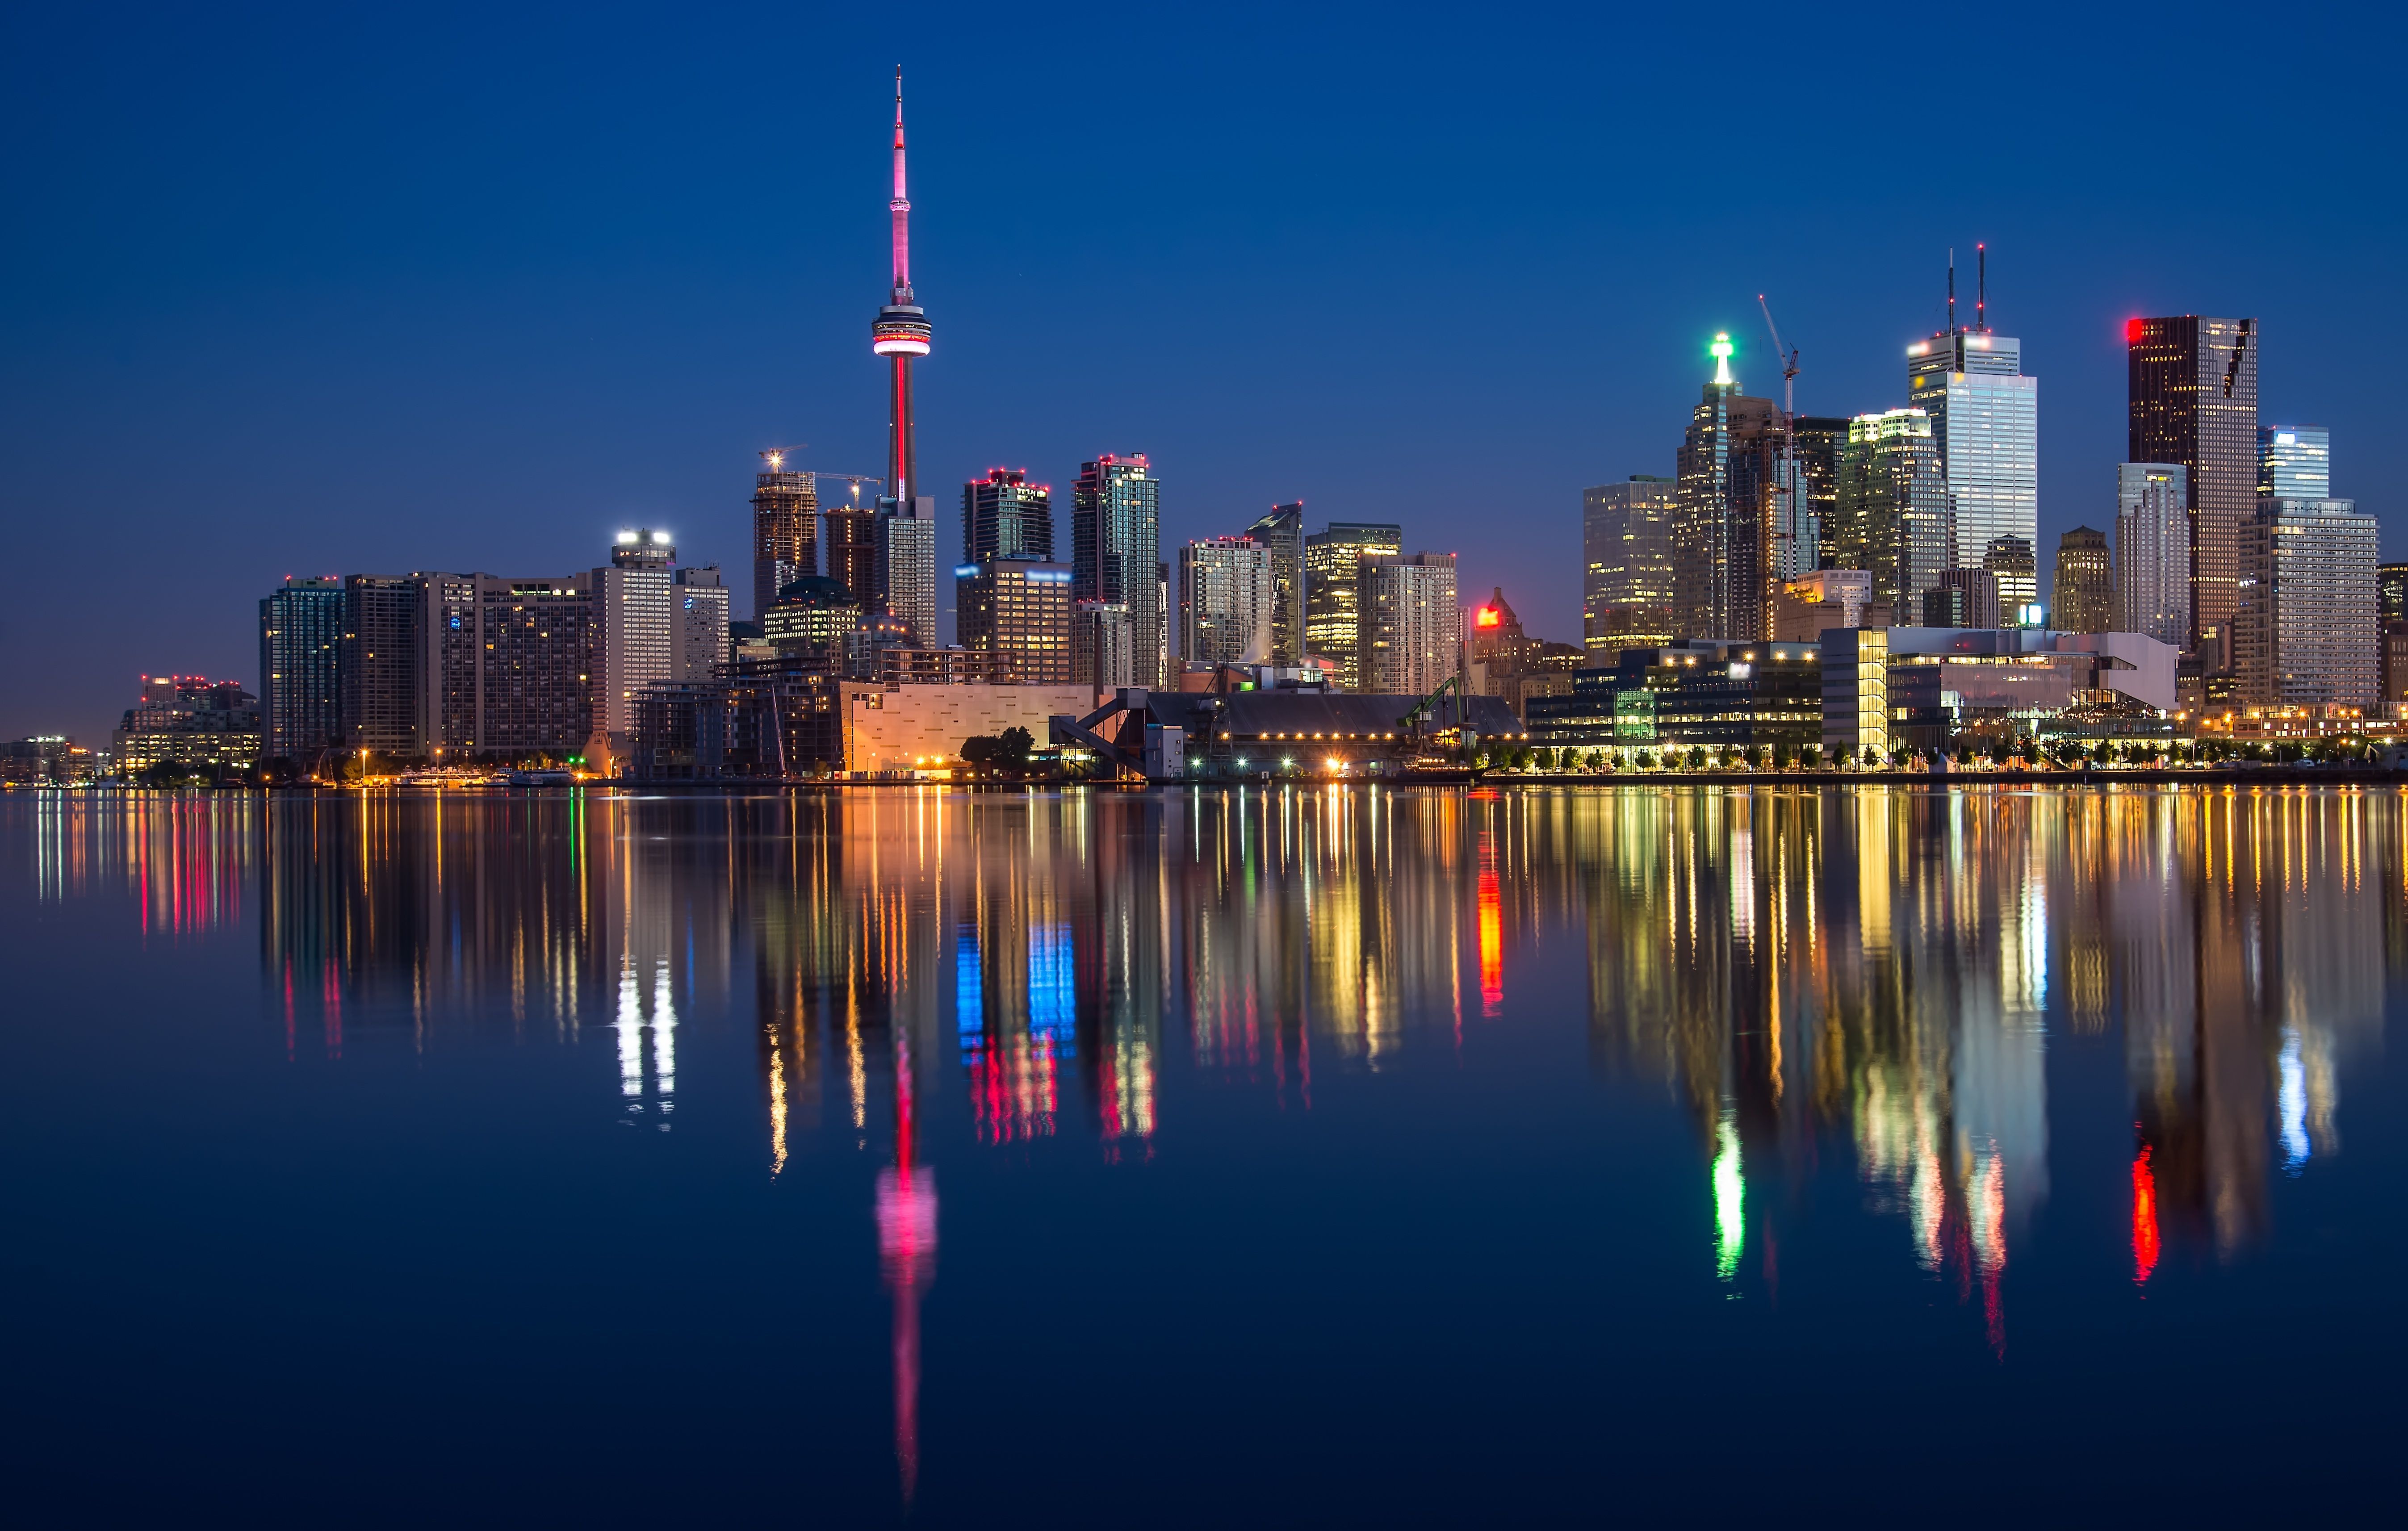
(1333, 558)
(1282, 531)
(2305, 628)
(1626, 565)
(536, 689)
(1116, 552)
(636, 632)
(905, 578)
(700, 612)
(380, 664)
(1019, 610)
(1817, 440)
(851, 553)
(1984, 431)
(1411, 630)
(451, 662)
(1103, 644)
(1722, 521)
(2010, 561)
(1004, 516)
(1892, 514)
(1226, 596)
(786, 531)
(2152, 550)
(2294, 462)
(300, 668)
(2083, 600)
(2391, 588)
(2193, 403)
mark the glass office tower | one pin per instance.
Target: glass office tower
(1333, 559)
(1116, 552)
(2294, 462)
(2193, 403)
(1986, 432)
(1626, 565)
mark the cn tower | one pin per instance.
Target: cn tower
(901, 331)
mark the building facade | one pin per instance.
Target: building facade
(1411, 635)
(380, 655)
(2083, 597)
(2306, 629)
(1020, 612)
(785, 532)
(1627, 565)
(635, 627)
(852, 554)
(1892, 516)
(2193, 403)
(1004, 516)
(537, 691)
(1986, 432)
(1282, 533)
(2294, 462)
(906, 576)
(1333, 557)
(2152, 550)
(698, 612)
(1116, 555)
(1228, 598)
(1103, 644)
(2010, 561)
(1722, 531)
(300, 668)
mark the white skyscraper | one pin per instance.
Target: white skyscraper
(1986, 427)
(1412, 631)
(2294, 462)
(2152, 550)
(636, 644)
(906, 574)
(1225, 595)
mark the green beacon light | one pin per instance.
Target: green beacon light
(1722, 354)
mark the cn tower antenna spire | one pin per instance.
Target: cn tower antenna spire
(901, 205)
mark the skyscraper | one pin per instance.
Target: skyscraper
(1984, 427)
(2193, 403)
(1116, 554)
(1282, 531)
(1019, 609)
(2391, 586)
(851, 553)
(1892, 515)
(1332, 561)
(2083, 600)
(1004, 516)
(2010, 560)
(1103, 648)
(637, 635)
(900, 334)
(906, 578)
(1722, 531)
(1227, 595)
(1410, 632)
(381, 650)
(2152, 563)
(700, 617)
(785, 529)
(2294, 462)
(1962, 598)
(1626, 565)
(300, 668)
(2305, 629)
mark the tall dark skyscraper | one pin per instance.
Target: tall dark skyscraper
(300, 670)
(1722, 543)
(1282, 532)
(1004, 516)
(2194, 402)
(900, 334)
(786, 531)
(1115, 551)
(853, 553)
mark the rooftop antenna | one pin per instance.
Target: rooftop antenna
(1982, 287)
(1952, 290)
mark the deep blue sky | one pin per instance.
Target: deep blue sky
(311, 290)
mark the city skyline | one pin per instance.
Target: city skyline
(487, 461)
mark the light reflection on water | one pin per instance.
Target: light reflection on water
(1882, 971)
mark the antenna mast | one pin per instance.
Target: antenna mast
(1982, 288)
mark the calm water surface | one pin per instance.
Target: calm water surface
(1279, 1158)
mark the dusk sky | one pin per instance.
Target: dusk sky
(311, 290)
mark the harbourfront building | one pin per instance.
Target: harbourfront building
(536, 690)
(300, 668)
(1332, 569)
(380, 664)
(1410, 629)
(699, 613)
(786, 531)
(1018, 611)
(2294, 462)
(2152, 550)
(2306, 629)
(1227, 595)
(1692, 693)
(1116, 557)
(1892, 515)
(1282, 533)
(1985, 416)
(187, 721)
(2192, 395)
(1004, 516)
(2083, 597)
(1627, 565)
(636, 629)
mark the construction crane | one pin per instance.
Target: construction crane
(775, 458)
(1411, 720)
(1785, 526)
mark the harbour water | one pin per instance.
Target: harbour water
(1272, 1157)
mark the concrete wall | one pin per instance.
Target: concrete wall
(894, 730)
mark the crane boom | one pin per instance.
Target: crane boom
(1786, 527)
